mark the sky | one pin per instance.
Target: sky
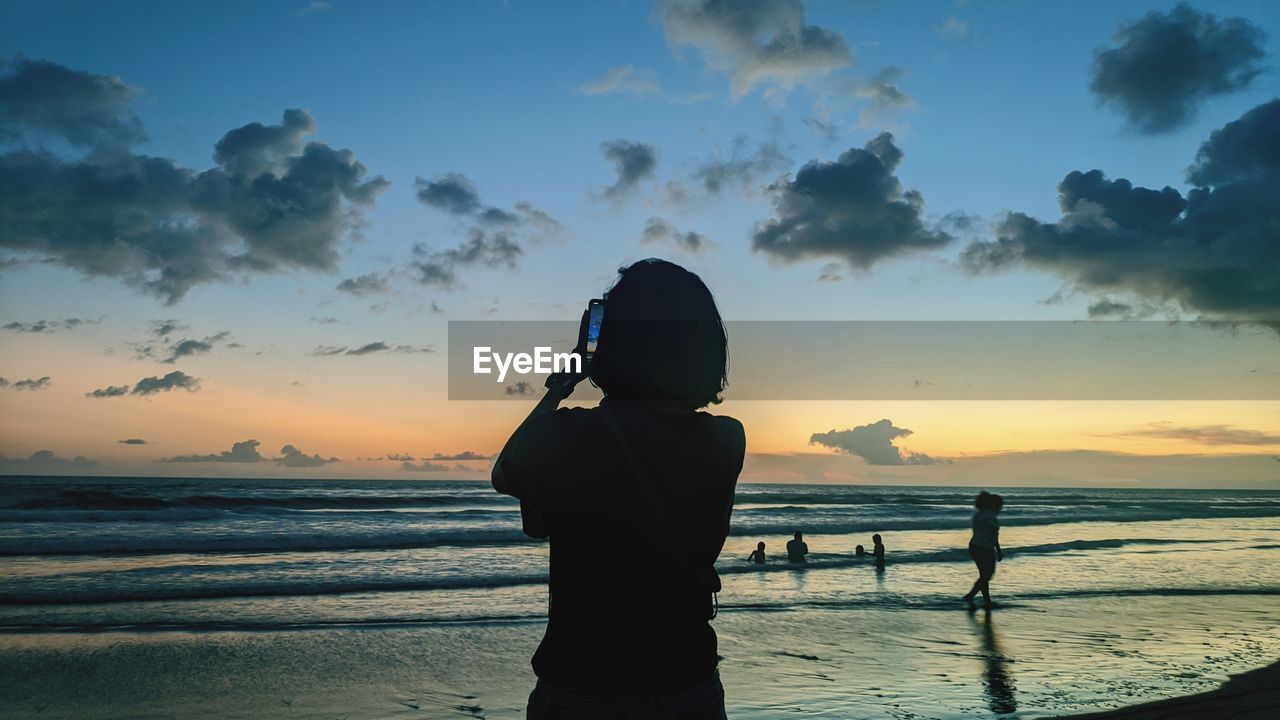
(232, 235)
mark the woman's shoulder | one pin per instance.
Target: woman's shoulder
(728, 426)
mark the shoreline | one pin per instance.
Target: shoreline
(1251, 694)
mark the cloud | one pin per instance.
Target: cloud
(464, 455)
(367, 284)
(873, 443)
(521, 387)
(31, 383)
(132, 441)
(47, 326)
(953, 28)
(481, 249)
(882, 95)
(744, 167)
(150, 386)
(492, 238)
(1108, 308)
(426, 466)
(755, 42)
(291, 456)
(162, 328)
(45, 462)
(373, 348)
(657, 230)
(44, 99)
(1211, 252)
(633, 161)
(272, 203)
(1205, 434)
(400, 457)
(173, 381)
(453, 193)
(109, 391)
(245, 451)
(187, 347)
(1165, 65)
(624, 80)
(171, 351)
(853, 209)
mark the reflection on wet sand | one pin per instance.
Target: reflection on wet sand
(996, 680)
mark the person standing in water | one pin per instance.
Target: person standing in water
(797, 549)
(984, 546)
(878, 551)
(645, 467)
(757, 555)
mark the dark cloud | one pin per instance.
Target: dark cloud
(1205, 434)
(245, 451)
(492, 240)
(1165, 65)
(170, 352)
(521, 387)
(271, 204)
(173, 381)
(633, 161)
(657, 230)
(464, 455)
(372, 348)
(367, 284)
(150, 386)
(162, 328)
(188, 347)
(853, 209)
(45, 462)
(132, 441)
(452, 192)
(41, 99)
(1108, 308)
(426, 466)
(400, 457)
(755, 41)
(45, 326)
(873, 443)
(291, 456)
(1212, 252)
(481, 249)
(33, 383)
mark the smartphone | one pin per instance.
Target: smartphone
(595, 318)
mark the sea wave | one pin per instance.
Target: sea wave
(211, 585)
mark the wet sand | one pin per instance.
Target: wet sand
(1249, 695)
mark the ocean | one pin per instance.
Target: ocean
(132, 597)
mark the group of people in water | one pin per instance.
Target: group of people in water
(984, 547)
(797, 550)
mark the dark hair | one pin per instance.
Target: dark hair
(662, 338)
(876, 537)
(988, 501)
(799, 535)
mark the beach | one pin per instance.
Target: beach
(383, 600)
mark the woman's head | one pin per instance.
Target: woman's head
(988, 501)
(662, 338)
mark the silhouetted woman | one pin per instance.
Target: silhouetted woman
(984, 546)
(628, 631)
